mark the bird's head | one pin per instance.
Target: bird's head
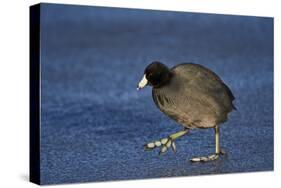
(156, 75)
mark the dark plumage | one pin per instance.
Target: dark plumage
(193, 96)
(190, 94)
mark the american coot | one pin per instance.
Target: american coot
(193, 96)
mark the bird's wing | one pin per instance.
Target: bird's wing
(187, 107)
(206, 81)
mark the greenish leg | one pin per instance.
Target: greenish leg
(217, 139)
(167, 142)
(178, 134)
(218, 150)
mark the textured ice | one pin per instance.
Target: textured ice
(94, 122)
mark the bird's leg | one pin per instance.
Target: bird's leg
(166, 143)
(218, 150)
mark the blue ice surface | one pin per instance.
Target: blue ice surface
(94, 123)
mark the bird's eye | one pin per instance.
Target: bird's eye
(150, 74)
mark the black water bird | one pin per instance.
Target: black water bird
(193, 96)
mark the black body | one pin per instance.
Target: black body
(191, 94)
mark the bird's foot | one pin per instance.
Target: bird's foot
(208, 158)
(164, 143)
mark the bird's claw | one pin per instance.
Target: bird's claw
(208, 158)
(165, 143)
